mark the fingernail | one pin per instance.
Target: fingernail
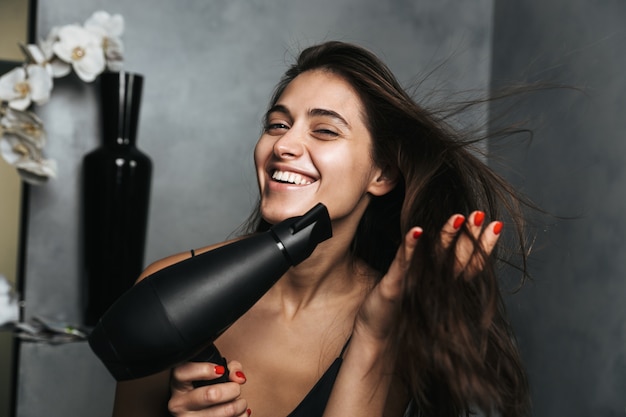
(497, 228)
(249, 411)
(479, 218)
(417, 233)
(219, 370)
(240, 375)
(458, 222)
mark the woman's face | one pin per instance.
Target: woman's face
(316, 148)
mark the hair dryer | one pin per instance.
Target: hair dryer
(174, 314)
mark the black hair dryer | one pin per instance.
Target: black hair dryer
(175, 314)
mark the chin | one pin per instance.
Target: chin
(276, 213)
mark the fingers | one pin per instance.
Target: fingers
(222, 399)
(236, 372)
(184, 375)
(469, 261)
(378, 311)
(207, 400)
(450, 229)
(392, 282)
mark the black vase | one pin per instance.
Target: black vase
(116, 193)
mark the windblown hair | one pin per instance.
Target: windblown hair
(455, 344)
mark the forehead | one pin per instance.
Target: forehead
(322, 89)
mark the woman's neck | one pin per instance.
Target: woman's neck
(329, 275)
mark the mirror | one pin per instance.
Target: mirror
(17, 19)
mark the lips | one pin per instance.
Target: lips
(290, 177)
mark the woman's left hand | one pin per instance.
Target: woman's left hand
(378, 312)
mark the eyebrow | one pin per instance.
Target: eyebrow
(279, 108)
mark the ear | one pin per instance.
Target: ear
(384, 180)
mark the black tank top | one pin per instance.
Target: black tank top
(314, 403)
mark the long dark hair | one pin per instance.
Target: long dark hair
(456, 349)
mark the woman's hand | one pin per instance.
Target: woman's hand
(469, 262)
(221, 400)
(379, 309)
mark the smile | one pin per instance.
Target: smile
(290, 178)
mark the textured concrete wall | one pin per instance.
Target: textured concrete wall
(209, 68)
(571, 320)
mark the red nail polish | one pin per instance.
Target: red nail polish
(249, 411)
(417, 234)
(479, 218)
(240, 375)
(458, 222)
(219, 370)
(497, 228)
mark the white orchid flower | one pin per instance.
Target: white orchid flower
(114, 52)
(108, 25)
(110, 28)
(27, 160)
(81, 48)
(36, 172)
(9, 306)
(23, 125)
(21, 86)
(35, 55)
(43, 54)
(22, 139)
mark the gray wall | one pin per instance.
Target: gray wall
(571, 319)
(209, 68)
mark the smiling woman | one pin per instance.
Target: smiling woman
(399, 312)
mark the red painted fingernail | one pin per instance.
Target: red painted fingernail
(219, 370)
(240, 375)
(479, 218)
(417, 234)
(458, 222)
(249, 411)
(497, 228)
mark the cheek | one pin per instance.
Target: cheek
(260, 158)
(352, 162)
(261, 151)
(350, 169)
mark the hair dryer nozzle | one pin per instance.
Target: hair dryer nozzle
(300, 236)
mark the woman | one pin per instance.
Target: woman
(400, 310)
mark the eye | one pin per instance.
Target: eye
(275, 128)
(326, 134)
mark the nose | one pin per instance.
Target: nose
(290, 145)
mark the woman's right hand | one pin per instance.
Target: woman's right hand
(211, 400)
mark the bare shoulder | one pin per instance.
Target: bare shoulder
(179, 257)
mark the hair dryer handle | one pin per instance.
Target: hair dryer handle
(211, 355)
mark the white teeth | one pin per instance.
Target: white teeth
(290, 177)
